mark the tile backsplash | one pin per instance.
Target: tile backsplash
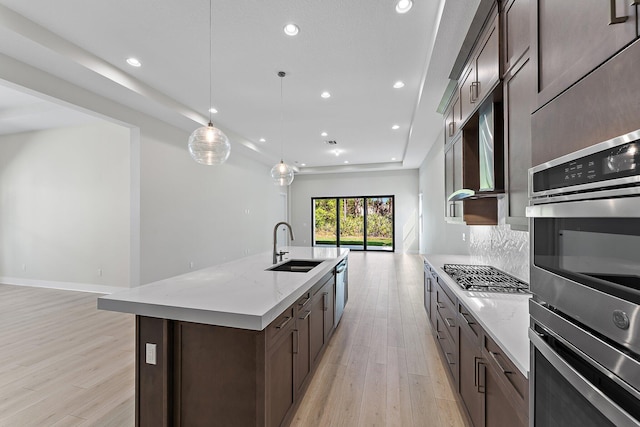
(502, 248)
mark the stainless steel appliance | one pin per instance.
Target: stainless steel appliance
(341, 290)
(484, 278)
(585, 277)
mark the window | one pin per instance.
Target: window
(361, 223)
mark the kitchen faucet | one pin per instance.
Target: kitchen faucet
(275, 239)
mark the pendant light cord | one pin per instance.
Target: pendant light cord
(210, 59)
(281, 74)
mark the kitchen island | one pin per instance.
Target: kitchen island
(232, 344)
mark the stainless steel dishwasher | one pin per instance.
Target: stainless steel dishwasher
(341, 290)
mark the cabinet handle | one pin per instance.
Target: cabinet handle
(613, 19)
(305, 316)
(482, 380)
(495, 358)
(446, 355)
(438, 336)
(296, 342)
(450, 323)
(428, 285)
(467, 321)
(452, 125)
(325, 301)
(474, 89)
(302, 304)
(440, 305)
(284, 323)
(452, 210)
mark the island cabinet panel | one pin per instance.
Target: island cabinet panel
(303, 355)
(219, 376)
(573, 37)
(280, 375)
(153, 381)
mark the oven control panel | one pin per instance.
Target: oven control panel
(609, 164)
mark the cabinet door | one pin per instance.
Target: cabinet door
(451, 120)
(470, 388)
(328, 294)
(574, 37)
(468, 93)
(448, 181)
(487, 64)
(280, 385)
(316, 327)
(498, 411)
(427, 291)
(303, 361)
(516, 31)
(457, 177)
(518, 102)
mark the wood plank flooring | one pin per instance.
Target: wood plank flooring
(65, 363)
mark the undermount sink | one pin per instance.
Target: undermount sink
(296, 266)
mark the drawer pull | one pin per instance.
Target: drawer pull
(284, 322)
(438, 336)
(450, 323)
(306, 315)
(325, 301)
(446, 355)
(467, 321)
(495, 358)
(481, 375)
(296, 342)
(613, 19)
(306, 301)
(440, 305)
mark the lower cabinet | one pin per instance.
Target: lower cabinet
(493, 391)
(303, 355)
(280, 372)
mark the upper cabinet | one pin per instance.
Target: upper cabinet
(452, 119)
(516, 33)
(570, 38)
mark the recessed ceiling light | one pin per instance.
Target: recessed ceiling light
(393, 159)
(325, 95)
(398, 85)
(291, 29)
(303, 164)
(403, 6)
(395, 127)
(346, 161)
(134, 62)
(323, 134)
(262, 140)
(336, 152)
(213, 110)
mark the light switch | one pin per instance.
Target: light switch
(150, 355)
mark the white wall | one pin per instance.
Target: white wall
(181, 211)
(439, 237)
(64, 206)
(402, 184)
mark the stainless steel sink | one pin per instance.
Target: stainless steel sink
(296, 266)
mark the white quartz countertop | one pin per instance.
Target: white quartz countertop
(238, 294)
(504, 317)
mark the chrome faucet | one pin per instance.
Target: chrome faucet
(275, 239)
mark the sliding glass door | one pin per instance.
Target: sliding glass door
(360, 223)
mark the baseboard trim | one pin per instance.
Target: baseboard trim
(66, 286)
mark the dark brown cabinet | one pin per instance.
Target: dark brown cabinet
(515, 29)
(472, 381)
(573, 37)
(447, 329)
(280, 370)
(518, 102)
(453, 179)
(303, 354)
(452, 120)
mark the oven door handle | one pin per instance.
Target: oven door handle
(603, 403)
(623, 207)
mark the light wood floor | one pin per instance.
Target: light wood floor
(65, 363)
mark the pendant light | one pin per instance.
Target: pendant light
(208, 145)
(282, 173)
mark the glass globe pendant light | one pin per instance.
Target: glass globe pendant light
(208, 145)
(282, 173)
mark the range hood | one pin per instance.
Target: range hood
(483, 129)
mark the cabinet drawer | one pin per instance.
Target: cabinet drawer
(448, 346)
(445, 308)
(515, 385)
(303, 301)
(280, 326)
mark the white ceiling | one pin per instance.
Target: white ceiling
(354, 49)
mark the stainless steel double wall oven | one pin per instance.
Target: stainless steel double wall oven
(585, 276)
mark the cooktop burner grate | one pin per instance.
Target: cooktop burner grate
(484, 278)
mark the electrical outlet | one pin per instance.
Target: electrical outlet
(191, 264)
(150, 354)
(464, 237)
(100, 272)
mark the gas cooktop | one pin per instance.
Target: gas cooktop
(484, 278)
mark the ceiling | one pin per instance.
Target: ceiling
(355, 49)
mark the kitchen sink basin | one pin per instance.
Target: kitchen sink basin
(296, 266)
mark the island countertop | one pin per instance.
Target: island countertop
(238, 294)
(505, 317)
